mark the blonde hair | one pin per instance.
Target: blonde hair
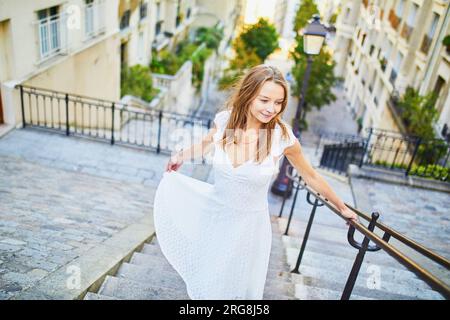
(244, 92)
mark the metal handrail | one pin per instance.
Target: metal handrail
(405, 240)
(382, 243)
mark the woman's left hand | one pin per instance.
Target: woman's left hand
(348, 213)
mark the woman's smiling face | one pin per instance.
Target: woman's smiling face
(268, 102)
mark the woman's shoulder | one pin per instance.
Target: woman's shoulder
(221, 117)
(281, 140)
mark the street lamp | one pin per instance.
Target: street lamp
(313, 39)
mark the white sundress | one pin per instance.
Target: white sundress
(218, 236)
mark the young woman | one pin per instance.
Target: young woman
(218, 236)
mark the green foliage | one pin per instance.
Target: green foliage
(321, 80)
(165, 62)
(333, 18)
(198, 59)
(251, 48)
(211, 36)
(137, 81)
(304, 13)
(427, 171)
(446, 40)
(418, 113)
(262, 37)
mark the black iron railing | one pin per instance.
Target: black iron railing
(109, 121)
(380, 243)
(408, 154)
(339, 156)
(322, 138)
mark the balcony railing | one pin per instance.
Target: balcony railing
(52, 34)
(406, 31)
(94, 22)
(426, 43)
(394, 20)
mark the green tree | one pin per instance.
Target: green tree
(304, 13)
(137, 81)
(418, 113)
(419, 116)
(262, 37)
(251, 48)
(321, 81)
(322, 77)
(211, 36)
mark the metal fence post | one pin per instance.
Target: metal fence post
(158, 147)
(366, 147)
(360, 257)
(112, 123)
(23, 107)
(67, 115)
(308, 229)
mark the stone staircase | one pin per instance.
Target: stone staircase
(328, 260)
(149, 276)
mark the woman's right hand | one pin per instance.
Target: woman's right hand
(174, 163)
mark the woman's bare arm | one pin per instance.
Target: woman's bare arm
(199, 149)
(296, 157)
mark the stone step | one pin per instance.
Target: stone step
(304, 292)
(133, 290)
(152, 249)
(151, 276)
(147, 260)
(270, 296)
(391, 280)
(396, 274)
(340, 250)
(96, 296)
(386, 291)
(279, 276)
(279, 288)
(330, 233)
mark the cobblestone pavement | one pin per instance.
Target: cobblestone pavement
(49, 217)
(420, 214)
(60, 196)
(83, 155)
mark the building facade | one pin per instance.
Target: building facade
(382, 47)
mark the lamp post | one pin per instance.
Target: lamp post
(313, 39)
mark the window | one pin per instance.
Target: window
(49, 25)
(399, 8)
(125, 20)
(141, 46)
(433, 26)
(143, 8)
(89, 21)
(412, 15)
(396, 68)
(428, 38)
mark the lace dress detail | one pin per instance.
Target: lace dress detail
(218, 236)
